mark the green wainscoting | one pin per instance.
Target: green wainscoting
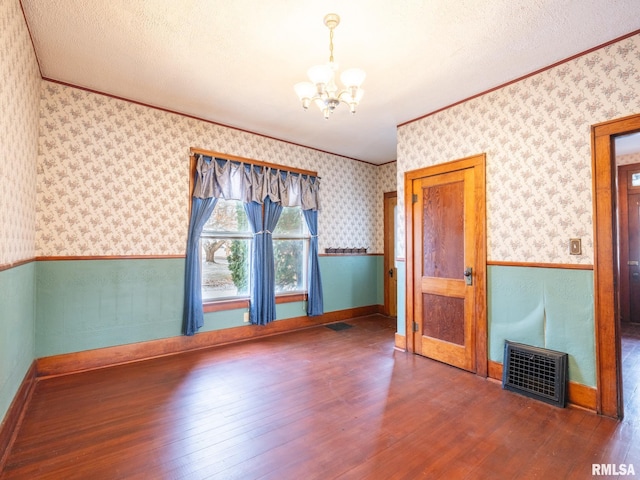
(17, 329)
(544, 307)
(87, 304)
(352, 281)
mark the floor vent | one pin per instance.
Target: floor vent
(339, 326)
(535, 372)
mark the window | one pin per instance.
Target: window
(225, 244)
(220, 262)
(290, 251)
(224, 250)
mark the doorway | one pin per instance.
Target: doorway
(391, 272)
(607, 274)
(627, 160)
(446, 263)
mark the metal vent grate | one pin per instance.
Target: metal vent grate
(535, 372)
(339, 326)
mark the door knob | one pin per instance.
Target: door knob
(391, 272)
(468, 279)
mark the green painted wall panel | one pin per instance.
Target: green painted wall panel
(87, 304)
(351, 281)
(17, 329)
(515, 303)
(235, 318)
(544, 307)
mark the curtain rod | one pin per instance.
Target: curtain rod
(208, 153)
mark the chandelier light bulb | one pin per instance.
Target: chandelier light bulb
(322, 90)
(305, 92)
(353, 77)
(320, 74)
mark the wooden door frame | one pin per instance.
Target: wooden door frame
(478, 163)
(389, 241)
(607, 322)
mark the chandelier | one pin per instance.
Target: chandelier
(322, 89)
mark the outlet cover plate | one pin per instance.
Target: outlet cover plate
(575, 246)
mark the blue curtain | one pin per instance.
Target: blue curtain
(315, 302)
(193, 316)
(256, 260)
(221, 178)
(272, 211)
(263, 301)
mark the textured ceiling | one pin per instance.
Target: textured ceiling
(235, 62)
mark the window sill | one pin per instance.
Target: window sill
(221, 305)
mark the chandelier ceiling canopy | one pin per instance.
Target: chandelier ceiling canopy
(322, 89)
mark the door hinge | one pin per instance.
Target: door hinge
(415, 326)
(414, 198)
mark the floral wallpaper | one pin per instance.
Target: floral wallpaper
(19, 100)
(113, 178)
(628, 159)
(387, 177)
(536, 135)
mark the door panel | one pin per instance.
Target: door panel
(634, 257)
(441, 318)
(444, 242)
(443, 229)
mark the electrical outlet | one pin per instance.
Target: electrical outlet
(246, 317)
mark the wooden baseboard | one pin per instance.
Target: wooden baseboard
(15, 413)
(494, 370)
(401, 342)
(105, 357)
(577, 394)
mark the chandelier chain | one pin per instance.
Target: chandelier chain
(331, 45)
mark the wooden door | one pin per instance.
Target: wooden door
(634, 257)
(448, 266)
(629, 224)
(444, 308)
(391, 272)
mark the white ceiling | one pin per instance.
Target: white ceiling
(627, 144)
(235, 62)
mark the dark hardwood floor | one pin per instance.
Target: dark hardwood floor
(314, 404)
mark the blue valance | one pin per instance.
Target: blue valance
(232, 180)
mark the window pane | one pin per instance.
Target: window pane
(635, 179)
(225, 268)
(290, 263)
(228, 216)
(291, 222)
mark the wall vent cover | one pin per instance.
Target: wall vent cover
(535, 372)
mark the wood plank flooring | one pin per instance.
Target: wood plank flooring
(314, 404)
